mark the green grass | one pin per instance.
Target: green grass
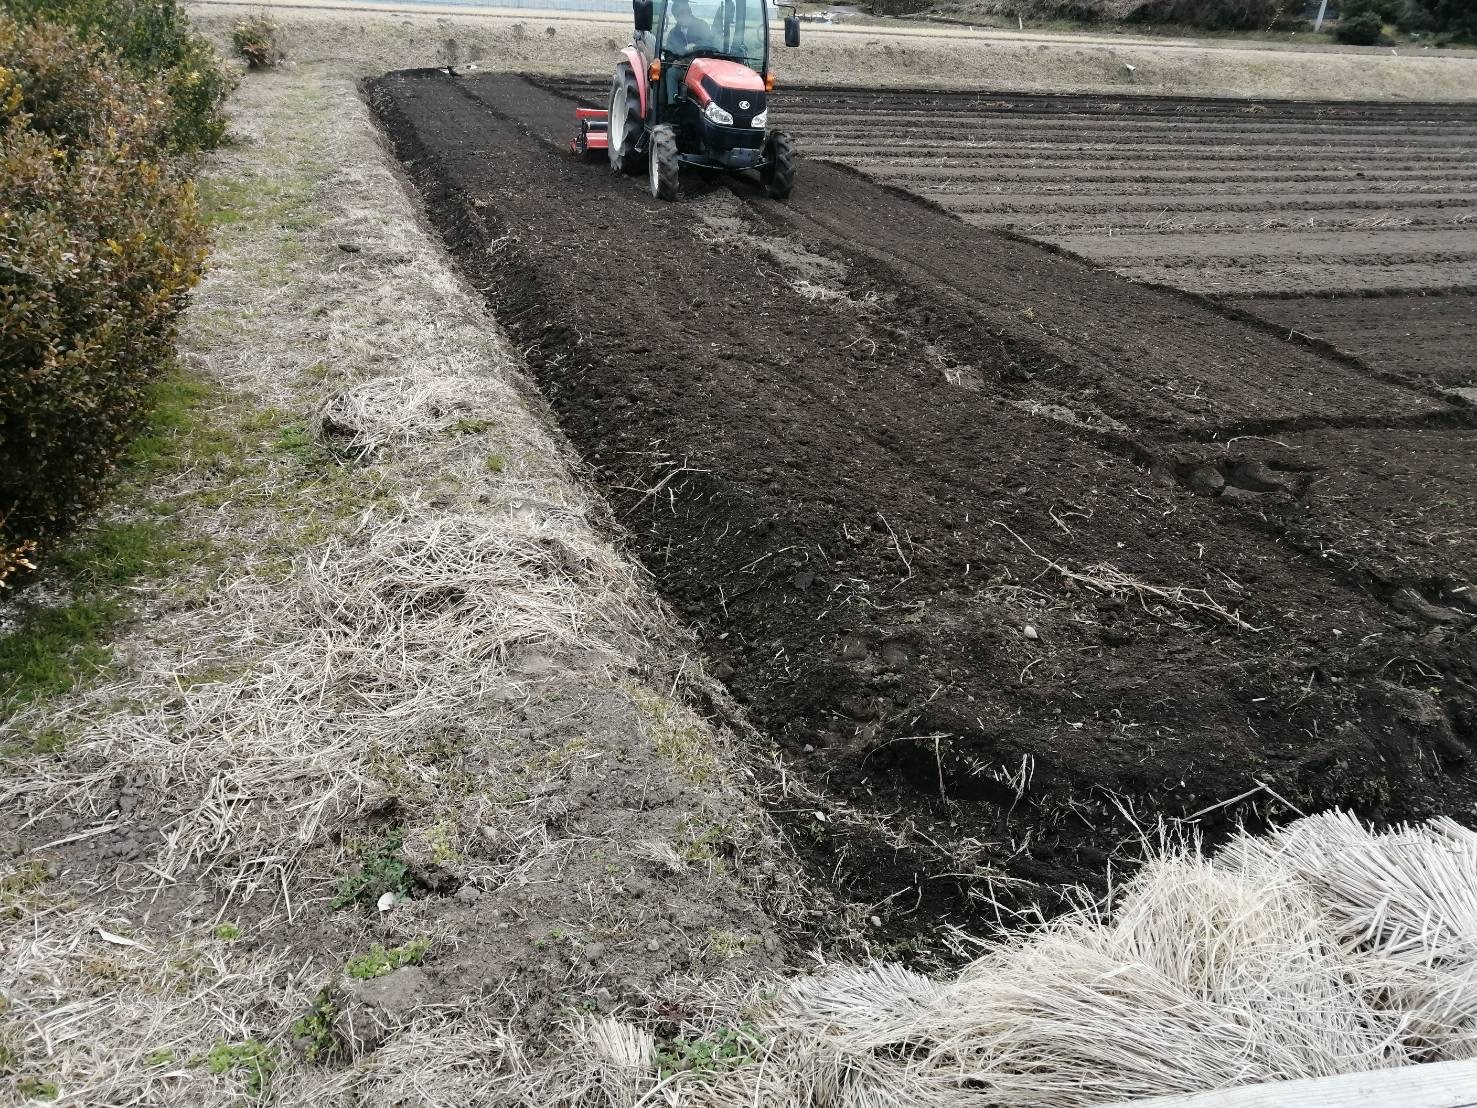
(255, 1062)
(726, 1048)
(228, 202)
(116, 553)
(299, 442)
(53, 646)
(50, 647)
(382, 869)
(33, 1088)
(172, 429)
(378, 962)
(314, 1030)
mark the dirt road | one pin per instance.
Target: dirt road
(1007, 554)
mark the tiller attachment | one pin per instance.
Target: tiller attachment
(591, 142)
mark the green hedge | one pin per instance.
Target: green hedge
(152, 38)
(100, 240)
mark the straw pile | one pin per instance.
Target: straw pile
(1324, 948)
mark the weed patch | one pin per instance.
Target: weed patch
(34, 1088)
(677, 735)
(727, 1048)
(254, 1062)
(382, 869)
(379, 962)
(313, 1032)
(52, 648)
(173, 432)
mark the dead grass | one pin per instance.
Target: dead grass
(1325, 948)
(388, 612)
(368, 41)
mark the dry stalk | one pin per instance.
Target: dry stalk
(1114, 582)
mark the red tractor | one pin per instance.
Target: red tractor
(693, 87)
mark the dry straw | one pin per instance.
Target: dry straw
(1323, 948)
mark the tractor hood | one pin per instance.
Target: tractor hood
(734, 87)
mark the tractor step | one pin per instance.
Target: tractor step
(592, 137)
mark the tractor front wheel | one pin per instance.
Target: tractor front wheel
(662, 162)
(778, 173)
(623, 129)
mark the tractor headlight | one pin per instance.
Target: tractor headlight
(761, 119)
(718, 115)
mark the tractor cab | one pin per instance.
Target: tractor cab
(693, 88)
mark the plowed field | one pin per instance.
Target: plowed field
(1302, 202)
(1006, 554)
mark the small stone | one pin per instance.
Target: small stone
(469, 892)
(535, 664)
(875, 921)
(1235, 495)
(1030, 633)
(1259, 477)
(1206, 480)
(594, 952)
(653, 945)
(1413, 603)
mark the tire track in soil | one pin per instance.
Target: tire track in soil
(851, 536)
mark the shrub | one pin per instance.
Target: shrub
(1219, 15)
(1414, 17)
(153, 39)
(1388, 10)
(100, 239)
(1455, 17)
(1363, 28)
(256, 40)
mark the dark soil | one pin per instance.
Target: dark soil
(1211, 196)
(927, 495)
(1423, 337)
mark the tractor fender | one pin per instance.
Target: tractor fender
(638, 67)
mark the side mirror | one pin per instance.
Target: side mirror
(792, 29)
(642, 10)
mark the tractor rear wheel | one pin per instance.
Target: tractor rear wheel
(624, 125)
(778, 174)
(662, 162)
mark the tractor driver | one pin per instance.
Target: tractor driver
(687, 32)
